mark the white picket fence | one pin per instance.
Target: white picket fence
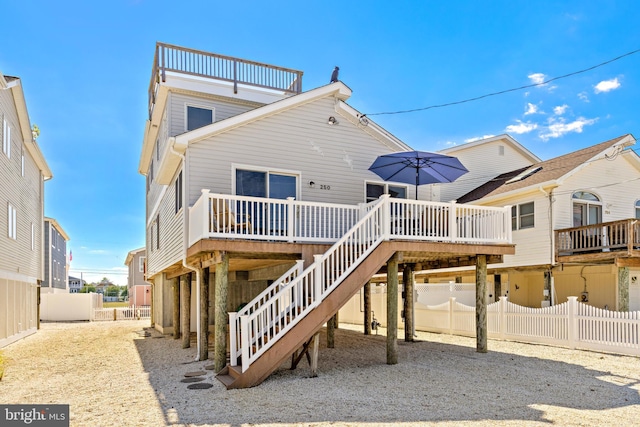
(571, 324)
(122, 313)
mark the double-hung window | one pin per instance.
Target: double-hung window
(522, 216)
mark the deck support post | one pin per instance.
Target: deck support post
(176, 308)
(315, 344)
(204, 314)
(152, 307)
(623, 288)
(331, 329)
(392, 310)
(367, 308)
(481, 303)
(408, 307)
(221, 290)
(546, 296)
(185, 298)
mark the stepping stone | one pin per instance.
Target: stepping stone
(195, 374)
(200, 386)
(210, 367)
(192, 380)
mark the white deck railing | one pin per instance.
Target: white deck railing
(226, 216)
(571, 324)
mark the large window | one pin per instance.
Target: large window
(522, 216)
(198, 117)
(375, 190)
(587, 209)
(272, 184)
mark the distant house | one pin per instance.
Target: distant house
(75, 284)
(138, 289)
(56, 267)
(23, 171)
(574, 222)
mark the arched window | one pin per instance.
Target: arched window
(638, 209)
(587, 209)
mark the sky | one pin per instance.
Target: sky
(85, 68)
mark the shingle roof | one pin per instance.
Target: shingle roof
(550, 170)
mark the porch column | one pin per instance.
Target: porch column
(331, 328)
(204, 314)
(176, 308)
(221, 317)
(367, 308)
(481, 303)
(623, 288)
(392, 310)
(185, 297)
(408, 285)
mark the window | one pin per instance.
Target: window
(12, 223)
(587, 209)
(141, 261)
(6, 138)
(638, 209)
(150, 176)
(198, 117)
(273, 184)
(374, 191)
(158, 231)
(522, 216)
(178, 192)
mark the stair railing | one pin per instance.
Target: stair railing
(268, 321)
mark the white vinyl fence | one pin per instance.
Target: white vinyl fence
(571, 324)
(122, 313)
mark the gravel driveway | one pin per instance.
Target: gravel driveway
(111, 374)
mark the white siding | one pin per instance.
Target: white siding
(297, 140)
(484, 162)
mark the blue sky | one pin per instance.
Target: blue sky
(85, 68)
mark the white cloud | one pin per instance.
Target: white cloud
(583, 96)
(521, 127)
(478, 138)
(560, 128)
(560, 109)
(531, 109)
(536, 78)
(607, 85)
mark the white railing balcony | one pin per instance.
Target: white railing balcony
(224, 216)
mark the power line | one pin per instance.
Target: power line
(507, 90)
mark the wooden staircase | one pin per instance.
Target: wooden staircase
(233, 377)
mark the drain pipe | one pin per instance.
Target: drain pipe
(552, 288)
(185, 244)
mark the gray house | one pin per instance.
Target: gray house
(23, 171)
(262, 217)
(56, 267)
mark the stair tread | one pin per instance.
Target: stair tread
(227, 380)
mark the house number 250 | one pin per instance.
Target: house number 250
(325, 187)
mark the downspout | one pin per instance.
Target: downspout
(552, 246)
(185, 244)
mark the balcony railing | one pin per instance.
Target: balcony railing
(224, 216)
(612, 236)
(219, 67)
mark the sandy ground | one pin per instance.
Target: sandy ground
(111, 375)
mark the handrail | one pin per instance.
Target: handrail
(621, 235)
(220, 67)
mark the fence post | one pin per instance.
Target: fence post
(453, 231)
(291, 219)
(386, 216)
(572, 321)
(115, 316)
(507, 223)
(452, 301)
(502, 317)
(233, 334)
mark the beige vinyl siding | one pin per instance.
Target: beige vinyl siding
(171, 234)
(484, 162)
(222, 110)
(25, 194)
(298, 140)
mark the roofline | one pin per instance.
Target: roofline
(132, 254)
(504, 136)
(58, 227)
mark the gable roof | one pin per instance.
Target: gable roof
(132, 254)
(548, 172)
(504, 137)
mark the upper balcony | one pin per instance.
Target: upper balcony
(235, 71)
(224, 216)
(604, 241)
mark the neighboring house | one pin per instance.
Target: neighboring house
(75, 284)
(56, 267)
(249, 178)
(575, 227)
(138, 289)
(23, 171)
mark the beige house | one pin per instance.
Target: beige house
(575, 226)
(23, 171)
(262, 218)
(138, 289)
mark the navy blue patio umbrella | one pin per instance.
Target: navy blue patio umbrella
(418, 167)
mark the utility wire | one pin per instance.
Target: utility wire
(507, 90)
